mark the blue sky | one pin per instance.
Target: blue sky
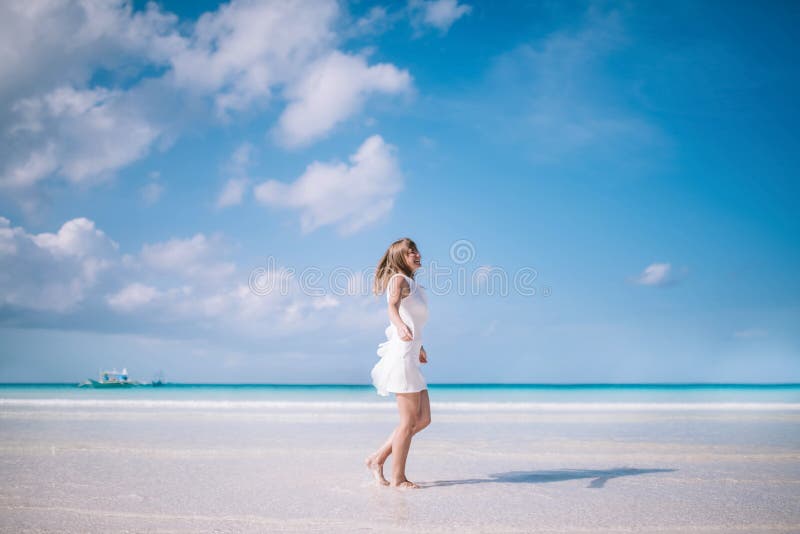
(642, 159)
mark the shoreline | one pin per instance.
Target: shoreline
(381, 405)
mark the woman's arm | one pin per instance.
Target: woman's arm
(397, 286)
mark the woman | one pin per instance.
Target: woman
(398, 370)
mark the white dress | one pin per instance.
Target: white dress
(398, 370)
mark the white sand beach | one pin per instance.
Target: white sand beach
(172, 467)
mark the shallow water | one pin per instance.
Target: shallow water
(475, 393)
(207, 459)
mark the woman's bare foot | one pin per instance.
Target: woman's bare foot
(377, 470)
(405, 484)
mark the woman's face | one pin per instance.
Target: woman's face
(413, 259)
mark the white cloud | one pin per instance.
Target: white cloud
(52, 271)
(347, 196)
(80, 135)
(132, 296)
(374, 21)
(151, 193)
(57, 123)
(438, 13)
(195, 257)
(54, 43)
(233, 192)
(50, 122)
(235, 187)
(241, 51)
(8, 245)
(326, 301)
(655, 274)
(76, 238)
(182, 286)
(242, 157)
(331, 90)
(230, 306)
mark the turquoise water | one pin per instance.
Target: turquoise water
(478, 393)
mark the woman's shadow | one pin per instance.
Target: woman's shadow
(599, 476)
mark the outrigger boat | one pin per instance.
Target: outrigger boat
(158, 380)
(111, 379)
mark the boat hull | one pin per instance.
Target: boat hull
(107, 385)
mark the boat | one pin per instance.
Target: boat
(158, 380)
(111, 379)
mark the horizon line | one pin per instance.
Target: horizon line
(443, 384)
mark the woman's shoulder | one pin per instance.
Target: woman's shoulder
(397, 282)
(404, 275)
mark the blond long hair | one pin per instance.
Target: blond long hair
(392, 262)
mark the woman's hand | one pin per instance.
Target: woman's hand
(405, 332)
(423, 356)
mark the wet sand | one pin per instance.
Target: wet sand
(162, 468)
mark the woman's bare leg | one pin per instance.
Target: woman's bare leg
(375, 461)
(408, 406)
(377, 471)
(423, 420)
